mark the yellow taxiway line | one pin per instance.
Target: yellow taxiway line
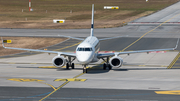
(174, 61)
(67, 47)
(66, 82)
(171, 92)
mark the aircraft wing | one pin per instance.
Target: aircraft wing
(143, 51)
(102, 55)
(45, 51)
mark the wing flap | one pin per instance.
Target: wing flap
(143, 51)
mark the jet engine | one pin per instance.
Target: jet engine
(59, 61)
(116, 61)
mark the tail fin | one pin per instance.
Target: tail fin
(92, 21)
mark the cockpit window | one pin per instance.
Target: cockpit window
(81, 49)
(87, 49)
(84, 49)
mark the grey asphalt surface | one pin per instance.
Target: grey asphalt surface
(74, 94)
(135, 82)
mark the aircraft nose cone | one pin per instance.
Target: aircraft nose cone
(84, 58)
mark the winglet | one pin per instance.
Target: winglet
(92, 21)
(176, 44)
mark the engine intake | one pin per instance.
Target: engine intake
(116, 61)
(59, 61)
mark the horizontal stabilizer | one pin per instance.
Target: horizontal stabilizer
(71, 37)
(112, 38)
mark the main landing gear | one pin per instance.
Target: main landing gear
(106, 64)
(70, 64)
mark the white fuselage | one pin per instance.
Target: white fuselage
(86, 52)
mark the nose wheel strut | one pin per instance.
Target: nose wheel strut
(84, 69)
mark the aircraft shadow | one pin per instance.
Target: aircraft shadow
(138, 69)
(95, 69)
(64, 69)
(99, 69)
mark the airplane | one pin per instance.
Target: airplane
(88, 52)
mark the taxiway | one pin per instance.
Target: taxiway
(29, 77)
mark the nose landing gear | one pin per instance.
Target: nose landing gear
(84, 69)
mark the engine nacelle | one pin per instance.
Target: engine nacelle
(116, 61)
(59, 61)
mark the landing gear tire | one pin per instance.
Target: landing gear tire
(109, 66)
(67, 66)
(104, 66)
(84, 70)
(72, 66)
